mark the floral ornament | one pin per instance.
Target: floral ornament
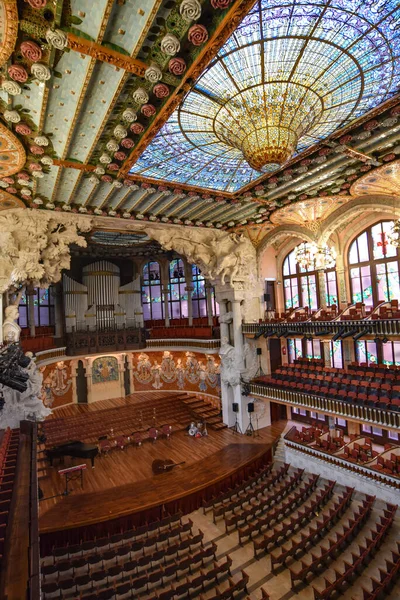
(38, 150)
(389, 122)
(41, 140)
(137, 128)
(140, 216)
(11, 190)
(395, 111)
(106, 178)
(37, 3)
(31, 51)
(129, 115)
(131, 184)
(111, 212)
(47, 160)
(148, 110)
(38, 174)
(98, 211)
(126, 215)
(170, 44)
(66, 207)
(23, 176)
(120, 155)
(26, 191)
(177, 66)
(118, 184)
(11, 87)
(112, 145)
(57, 38)
(190, 10)
(120, 132)
(371, 125)
(324, 151)
(389, 157)
(161, 90)
(345, 139)
(82, 209)
(153, 73)
(99, 170)
(38, 201)
(197, 34)
(50, 205)
(94, 180)
(23, 129)
(140, 96)
(113, 167)
(221, 4)
(8, 180)
(41, 72)
(127, 143)
(34, 167)
(105, 159)
(18, 73)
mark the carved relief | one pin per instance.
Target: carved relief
(12, 153)
(8, 28)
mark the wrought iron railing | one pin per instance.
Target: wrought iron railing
(329, 406)
(184, 343)
(383, 327)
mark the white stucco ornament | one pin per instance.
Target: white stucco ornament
(38, 201)
(66, 207)
(12, 116)
(38, 174)
(105, 158)
(170, 44)
(50, 205)
(11, 87)
(112, 212)
(11, 329)
(140, 96)
(98, 211)
(221, 256)
(47, 160)
(112, 145)
(190, 10)
(4, 184)
(99, 170)
(34, 245)
(82, 209)
(231, 364)
(126, 215)
(153, 73)
(129, 115)
(25, 191)
(117, 184)
(94, 180)
(57, 38)
(41, 72)
(120, 132)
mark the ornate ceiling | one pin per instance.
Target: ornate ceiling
(115, 107)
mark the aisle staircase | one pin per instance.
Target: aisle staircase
(203, 410)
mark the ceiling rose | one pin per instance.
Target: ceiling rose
(291, 74)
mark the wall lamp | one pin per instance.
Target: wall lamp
(349, 333)
(268, 334)
(323, 332)
(338, 334)
(361, 334)
(258, 334)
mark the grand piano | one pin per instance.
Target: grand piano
(76, 449)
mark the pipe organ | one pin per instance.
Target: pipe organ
(100, 303)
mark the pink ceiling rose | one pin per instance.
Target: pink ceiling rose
(23, 129)
(389, 157)
(36, 150)
(9, 180)
(31, 51)
(35, 167)
(127, 143)
(161, 90)
(324, 151)
(120, 155)
(365, 168)
(221, 4)
(37, 3)
(303, 197)
(270, 180)
(148, 110)
(11, 190)
(137, 128)
(107, 178)
(18, 73)
(144, 186)
(129, 182)
(177, 66)
(345, 139)
(305, 162)
(395, 111)
(113, 167)
(371, 125)
(23, 176)
(197, 34)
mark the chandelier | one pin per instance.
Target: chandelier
(311, 257)
(265, 122)
(393, 236)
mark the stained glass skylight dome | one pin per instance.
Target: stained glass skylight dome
(291, 74)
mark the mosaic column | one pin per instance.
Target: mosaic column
(341, 282)
(322, 289)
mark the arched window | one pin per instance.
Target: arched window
(153, 307)
(374, 266)
(178, 296)
(301, 285)
(199, 293)
(43, 308)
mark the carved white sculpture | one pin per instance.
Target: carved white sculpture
(226, 318)
(24, 405)
(250, 360)
(11, 329)
(230, 364)
(218, 254)
(34, 246)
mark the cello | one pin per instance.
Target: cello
(160, 465)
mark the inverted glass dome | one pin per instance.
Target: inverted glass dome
(291, 74)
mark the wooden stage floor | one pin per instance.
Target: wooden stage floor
(122, 482)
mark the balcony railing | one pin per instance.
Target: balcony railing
(383, 327)
(329, 406)
(184, 343)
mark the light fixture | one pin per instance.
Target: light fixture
(311, 257)
(393, 236)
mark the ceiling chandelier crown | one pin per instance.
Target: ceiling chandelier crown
(393, 236)
(311, 257)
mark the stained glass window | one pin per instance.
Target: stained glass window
(313, 349)
(43, 308)
(366, 352)
(325, 63)
(374, 266)
(295, 349)
(301, 287)
(336, 354)
(199, 298)
(152, 297)
(178, 296)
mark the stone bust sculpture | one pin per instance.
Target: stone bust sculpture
(11, 329)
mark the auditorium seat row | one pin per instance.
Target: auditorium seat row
(9, 446)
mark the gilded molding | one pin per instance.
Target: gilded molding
(11, 151)
(9, 12)
(99, 52)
